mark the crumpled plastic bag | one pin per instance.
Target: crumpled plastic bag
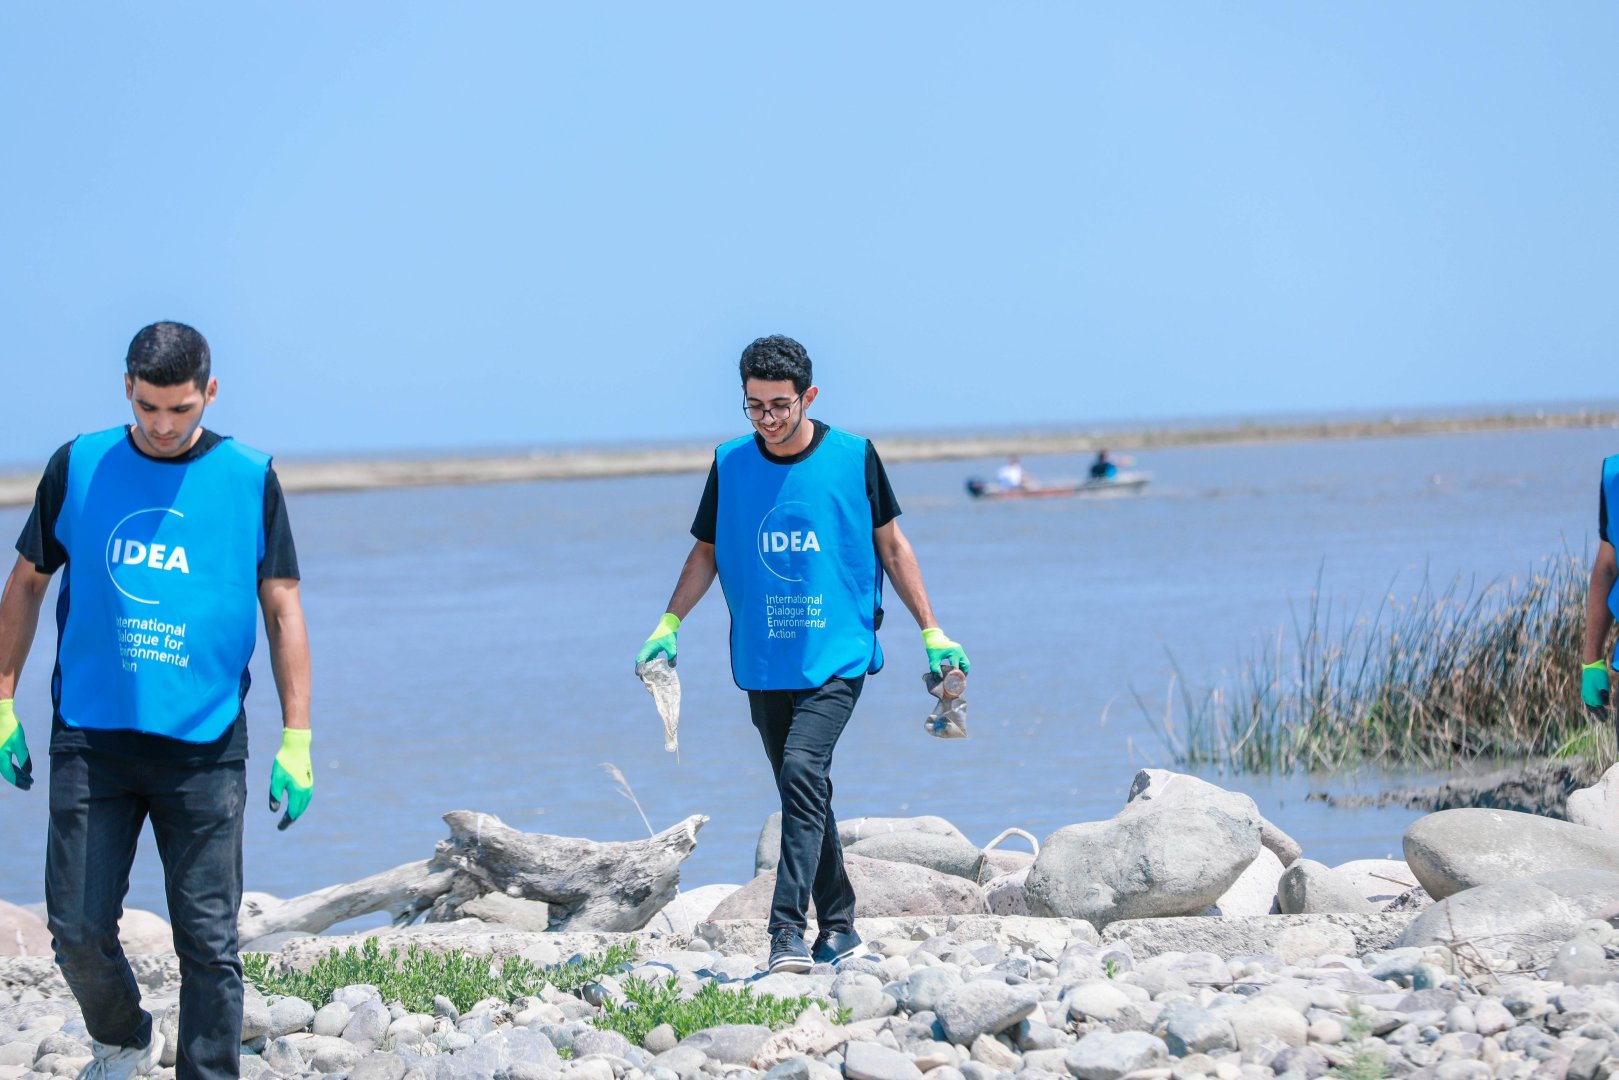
(948, 720)
(660, 680)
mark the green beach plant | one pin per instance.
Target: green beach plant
(649, 1003)
(413, 977)
(1450, 675)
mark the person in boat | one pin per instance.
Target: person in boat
(798, 522)
(1102, 468)
(1011, 477)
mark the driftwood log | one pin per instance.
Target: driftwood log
(589, 885)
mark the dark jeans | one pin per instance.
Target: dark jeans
(98, 804)
(800, 728)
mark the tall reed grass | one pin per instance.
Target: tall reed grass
(1449, 675)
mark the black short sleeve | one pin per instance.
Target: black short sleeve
(280, 555)
(1602, 511)
(884, 506)
(706, 525)
(38, 543)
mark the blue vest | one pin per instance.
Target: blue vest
(1610, 492)
(161, 591)
(798, 565)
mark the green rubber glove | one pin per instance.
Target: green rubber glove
(292, 777)
(1594, 689)
(20, 774)
(661, 640)
(940, 649)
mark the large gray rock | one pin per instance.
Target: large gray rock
(873, 1061)
(881, 889)
(1378, 881)
(854, 830)
(984, 1007)
(1150, 783)
(1254, 891)
(1454, 850)
(22, 933)
(946, 854)
(368, 1025)
(1108, 1055)
(733, 1044)
(1597, 807)
(1311, 888)
(289, 1015)
(1007, 894)
(767, 852)
(1518, 923)
(144, 933)
(1175, 853)
(1191, 1029)
(690, 907)
(515, 912)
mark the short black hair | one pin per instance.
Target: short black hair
(168, 354)
(777, 357)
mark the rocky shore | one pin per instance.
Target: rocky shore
(1184, 938)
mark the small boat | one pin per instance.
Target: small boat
(1120, 482)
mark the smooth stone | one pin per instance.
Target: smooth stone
(368, 1025)
(330, 1019)
(1311, 888)
(289, 1015)
(1096, 1000)
(923, 989)
(356, 995)
(256, 1022)
(733, 1044)
(660, 1039)
(336, 1056)
(988, 1050)
(1189, 1029)
(1264, 1016)
(984, 1007)
(594, 1041)
(1454, 850)
(1107, 1055)
(871, 1061)
(282, 1055)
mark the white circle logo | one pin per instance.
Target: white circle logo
(135, 558)
(787, 542)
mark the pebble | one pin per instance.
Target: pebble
(954, 1009)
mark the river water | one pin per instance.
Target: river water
(473, 647)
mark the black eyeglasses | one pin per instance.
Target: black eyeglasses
(775, 412)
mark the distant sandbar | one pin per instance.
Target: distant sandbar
(358, 475)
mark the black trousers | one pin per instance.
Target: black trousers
(800, 728)
(98, 805)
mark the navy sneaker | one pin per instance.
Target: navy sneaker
(787, 951)
(834, 945)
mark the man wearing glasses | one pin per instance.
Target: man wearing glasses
(799, 523)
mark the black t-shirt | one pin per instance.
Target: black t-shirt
(1602, 512)
(39, 545)
(884, 506)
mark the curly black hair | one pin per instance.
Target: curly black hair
(777, 357)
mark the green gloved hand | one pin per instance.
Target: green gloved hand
(1594, 689)
(661, 640)
(940, 649)
(12, 745)
(292, 777)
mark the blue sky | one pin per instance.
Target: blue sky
(439, 226)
